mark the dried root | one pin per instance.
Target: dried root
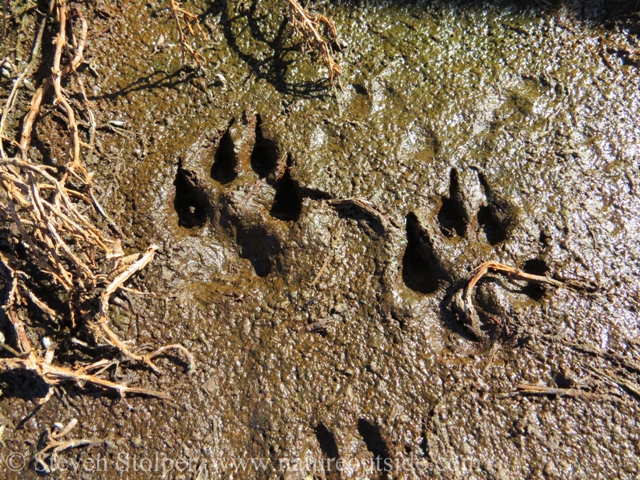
(308, 27)
(463, 299)
(46, 458)
(190, 21)
(62, 264)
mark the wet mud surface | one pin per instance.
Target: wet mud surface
(311, 240)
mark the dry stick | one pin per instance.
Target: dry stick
(176, 346)
(53, 446)
(528, 389)
(101, 366)
(88, 233)
(60, 243)
(103, 318)
(608, 354)
(53, 375)
(57, 74)
(106, 216)
(614, 379)
(92, 142)
(63, 194)
(50, 374)
(98, 237)
(142, 262)
(65, 282)
(92, 119)
(324, 265)
(137, 292)
(54, 449)
(27, 124)
(464, 302)
(61, 276)
(39, 303)
(492, 355)
(77, 231)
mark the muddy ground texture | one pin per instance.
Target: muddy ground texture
(311, 239)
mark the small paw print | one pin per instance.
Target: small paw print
(239, 179)
(469, 226)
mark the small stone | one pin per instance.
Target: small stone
(341, 308)
(210, 386)
(166, 274)
(246, 327)
(550, 470)
(136, 442)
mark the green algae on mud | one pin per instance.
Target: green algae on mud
(449, 115)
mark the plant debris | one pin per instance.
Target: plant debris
(463, 299)
(53, 445)
(308, 26)
(61, 263)
(191, 21)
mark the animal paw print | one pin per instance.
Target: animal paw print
(377, 461)
(443, 246)
(467, 224)
(240, 180)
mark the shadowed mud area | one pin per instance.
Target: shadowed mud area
(320, 324)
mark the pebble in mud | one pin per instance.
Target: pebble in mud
(137, 442)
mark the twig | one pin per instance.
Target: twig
(492, 356)
(322, 268)
(73, 156)
(123, 277)
(24, 344)
(16, 86)
(92, 120)
(53, 445)
(103, 317)
(620, 382)
(54, 81)
(106, 216)
(607, 354)
(528, 389)
(463, 299)
(53, 375)
(31, 360)
(190, 19)
(39, 303)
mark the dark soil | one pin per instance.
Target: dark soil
(322, 329)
